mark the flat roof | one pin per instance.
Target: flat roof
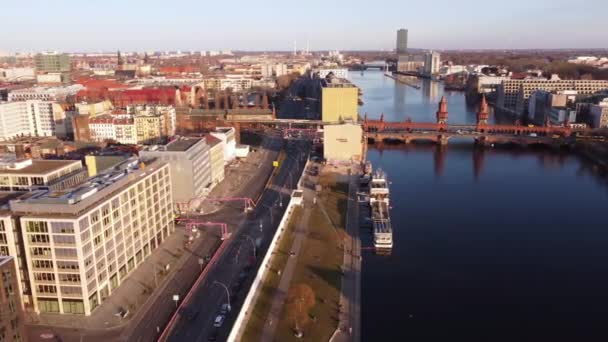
(41, 167)
(182, 144)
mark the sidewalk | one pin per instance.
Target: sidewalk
(349, 326)
(280, 293)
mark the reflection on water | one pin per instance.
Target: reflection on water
(489, 245)
(399, 101)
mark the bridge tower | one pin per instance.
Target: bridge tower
(482, 114)
(442, 113)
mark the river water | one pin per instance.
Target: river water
(494, 245)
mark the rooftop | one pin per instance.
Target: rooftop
(178, 145)
(12, 165)
(81, 198)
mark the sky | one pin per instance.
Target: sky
(266, 25)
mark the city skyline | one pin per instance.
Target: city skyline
(156, 26)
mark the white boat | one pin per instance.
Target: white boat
(379, 202)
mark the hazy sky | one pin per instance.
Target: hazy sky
(83, 25)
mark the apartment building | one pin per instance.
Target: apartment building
(150, 129)
(52, 62)
(101, 128)
(27, 118)
(190, 161)
(81, 244)
(11, 314)
(45, 93)
(515, 94)
(29, 174)
(220, 84)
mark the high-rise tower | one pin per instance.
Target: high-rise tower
(401, 41)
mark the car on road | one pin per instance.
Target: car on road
(219, 321)
(225, 308)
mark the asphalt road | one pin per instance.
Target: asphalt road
(152, 322)
(238, 254)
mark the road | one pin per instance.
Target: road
(152, 322)
(238, 253)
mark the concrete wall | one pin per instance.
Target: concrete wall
(343, 142)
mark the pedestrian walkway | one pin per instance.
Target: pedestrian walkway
(350, 297)
(280, 293)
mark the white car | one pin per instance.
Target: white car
(219, 320)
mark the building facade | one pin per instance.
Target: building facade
(11, 314)
(599, 115)
(30, 175)
(52, 62)
(432, 63)
(216, 159)
(514, 95)
(190, 162)
(27, 118)
(401, 42)
(343, 142)
(339, 101)
(228, 137)
(82, 244)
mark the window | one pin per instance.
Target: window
(48, 305)
(62, 227)
(67, 265)
(64, 240)
(69, 278)
(97, 240)
(40, 251)
(44, 276)
(37, 227)
(43, 264)
(73, 306)
(38, 238)
(65, 252)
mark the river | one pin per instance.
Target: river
(494, 245)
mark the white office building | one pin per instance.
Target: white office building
(82, 244)
(27, 118)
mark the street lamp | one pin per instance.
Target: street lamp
(225, 288)
(252, 243)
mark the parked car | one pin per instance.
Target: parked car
(226, 308)
(219, 321)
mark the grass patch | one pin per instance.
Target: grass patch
(319, 263)
(261, 307)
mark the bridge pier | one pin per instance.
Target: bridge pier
(442, 140)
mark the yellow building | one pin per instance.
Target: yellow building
(98, 163)
(339, 101)
(343, 142)
(150, 129)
